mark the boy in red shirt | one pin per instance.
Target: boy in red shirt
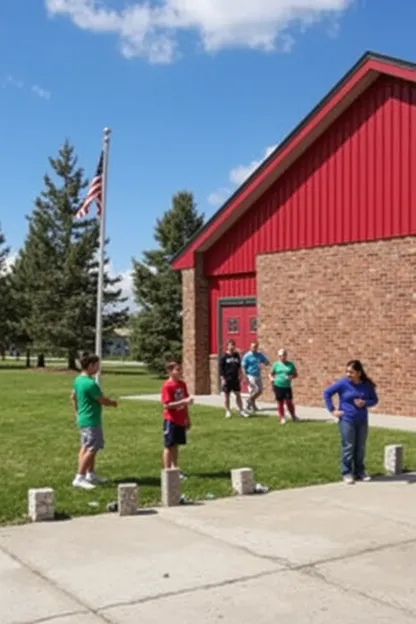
(175, 400)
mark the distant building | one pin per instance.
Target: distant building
(118, 344)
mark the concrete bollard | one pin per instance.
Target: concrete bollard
(171, 487)
(41, 504)
(128, 499)
(242, 480)
(393, 459)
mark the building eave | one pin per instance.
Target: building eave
(360, 77)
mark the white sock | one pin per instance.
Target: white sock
(79, 476)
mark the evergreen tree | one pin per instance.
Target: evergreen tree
(157, 327)
(5, 303)
(56, 274)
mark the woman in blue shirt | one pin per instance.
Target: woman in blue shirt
(356, 394)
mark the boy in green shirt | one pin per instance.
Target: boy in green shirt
(282, 374)
(87, 401)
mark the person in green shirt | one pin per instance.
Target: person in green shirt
(87, 400)
(282, 373)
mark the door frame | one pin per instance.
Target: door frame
(228, 302)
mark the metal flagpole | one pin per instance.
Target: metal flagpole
(101, 253)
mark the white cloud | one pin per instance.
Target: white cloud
(11, 81)
(15, 83)
(218, 197)
(44, 94)
(126, 285)
(237, 176)
(150, 28)
(9, 262)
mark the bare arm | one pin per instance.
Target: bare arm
(73, 401)
(181, 403)
(294, 374)
(103, 400)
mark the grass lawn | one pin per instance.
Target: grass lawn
(39, 444)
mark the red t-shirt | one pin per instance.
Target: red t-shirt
(173, 391)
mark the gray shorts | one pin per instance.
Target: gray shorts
(255, 384)
(92, 438)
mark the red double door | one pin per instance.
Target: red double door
(238, 323)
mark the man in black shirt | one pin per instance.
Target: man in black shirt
(230, 373)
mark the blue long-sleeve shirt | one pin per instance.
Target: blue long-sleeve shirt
(347, 392)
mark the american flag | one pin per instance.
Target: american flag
(95, 192)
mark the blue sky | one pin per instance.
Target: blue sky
(194, 92)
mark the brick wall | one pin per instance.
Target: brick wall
(213, 373)
(195, 360)
(332, 304)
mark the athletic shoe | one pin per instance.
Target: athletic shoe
(95, 479)
(283, 421)
(182, 476)
(81, 482)
(244, 414)
(295, 419)
(348, 479)
(228, 414)
(364, 477)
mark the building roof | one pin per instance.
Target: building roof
(363, 74)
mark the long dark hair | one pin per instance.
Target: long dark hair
(359, 368)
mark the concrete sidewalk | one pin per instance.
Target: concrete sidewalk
(308, 556)
(401, 423)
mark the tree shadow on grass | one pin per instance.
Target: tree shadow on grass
(61, 516)
(221, 474)
(143, 481)
(131, 371)
(405, 477)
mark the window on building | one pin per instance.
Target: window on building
(253, 325)
(233, 326)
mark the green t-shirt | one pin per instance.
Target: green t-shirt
(87, 391)
(280, 370)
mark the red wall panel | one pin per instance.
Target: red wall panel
(353, 184)
(220, 287)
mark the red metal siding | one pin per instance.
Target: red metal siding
(353, 184)
(236, 286)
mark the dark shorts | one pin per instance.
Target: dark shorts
(173, 435)
(92, 438)
(231, 385)
(283, 394)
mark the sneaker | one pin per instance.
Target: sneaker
(295, 419)
(283, 421)
(182, 476)
(228, 414)
(249, 406)
(95, 479)
(244, 414)
(81, 482)
(348, 479)
(364, 477)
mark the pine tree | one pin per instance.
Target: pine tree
(157, 328)
(5, 303)
(56, 271)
